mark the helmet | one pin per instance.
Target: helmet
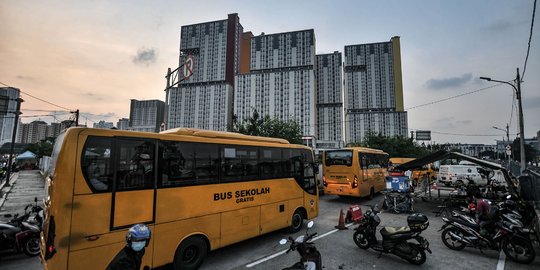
(138, 233)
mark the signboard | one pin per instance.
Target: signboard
(423, 135)
(4, 102)
(188, 67)
(508, 152)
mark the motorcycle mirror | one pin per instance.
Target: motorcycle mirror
(310, 224)
(35, 199)
(283, 241)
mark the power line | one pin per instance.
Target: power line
(529, 44)
(452, 97)
(40, 99)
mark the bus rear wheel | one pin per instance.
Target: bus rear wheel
(191, 253)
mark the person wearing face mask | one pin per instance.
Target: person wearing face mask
(130, 257)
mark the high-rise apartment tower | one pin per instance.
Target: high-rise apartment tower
(374, 91)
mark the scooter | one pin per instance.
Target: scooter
(504, 232)
(20, 235)
(395, 239)
(310, 258)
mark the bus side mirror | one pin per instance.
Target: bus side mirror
(315, 168)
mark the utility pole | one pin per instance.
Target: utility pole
(521, 129)
(76, 112)
(520, 109)
(13, 138)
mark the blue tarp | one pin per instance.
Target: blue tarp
(26, 155)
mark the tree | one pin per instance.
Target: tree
(396, 146)
(270, 127)
(530, 152)
(42, 148)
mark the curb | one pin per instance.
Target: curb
(3, 193)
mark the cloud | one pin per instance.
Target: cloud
(531, 102)
(25, 78)
(439, 84)
(93, 96)
(145, 56)
(464, 122)
(503, 25)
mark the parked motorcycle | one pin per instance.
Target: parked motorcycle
(395, 240)
(398, 202)
(505, 232)
(21, 235)
(310, 258)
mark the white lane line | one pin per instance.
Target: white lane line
(285, 250)
(502, 259)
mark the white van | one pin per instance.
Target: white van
(451, 175)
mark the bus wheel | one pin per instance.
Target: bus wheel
(191, 253)
(297, 221)
(371, 193)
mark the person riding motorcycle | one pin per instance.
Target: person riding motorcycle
(130, 257)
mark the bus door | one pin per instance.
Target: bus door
(364, 182)
(133, 193)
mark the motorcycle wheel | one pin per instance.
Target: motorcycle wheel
(449, 241)
(360, 239)
(518, 250)
(418, 255)
(32, 247)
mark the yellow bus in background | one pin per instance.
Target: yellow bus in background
(197, 190)
(354, 171)
(427, 171)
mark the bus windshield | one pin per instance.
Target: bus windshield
(338, 157)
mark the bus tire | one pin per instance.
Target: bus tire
(191, 253)
(297, 221)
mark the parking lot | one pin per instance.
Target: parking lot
(339, 251)
(337, 247)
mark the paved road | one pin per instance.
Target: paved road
(338, 249)
(25, 186)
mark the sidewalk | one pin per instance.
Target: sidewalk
(24, 187)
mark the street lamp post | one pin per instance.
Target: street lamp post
(520, 108)
(508, 139)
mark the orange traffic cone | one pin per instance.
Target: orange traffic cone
(341, 222)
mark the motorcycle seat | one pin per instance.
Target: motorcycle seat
(387, 231)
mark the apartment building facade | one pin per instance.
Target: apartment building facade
(7, 119)
(281, 79)
(146, 115)
(205, 99)
(373, 98)
(329, 97)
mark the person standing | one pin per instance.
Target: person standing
(130, 257)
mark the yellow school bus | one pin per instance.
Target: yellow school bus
(354, 171)
(197, 190)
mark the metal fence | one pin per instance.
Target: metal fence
(529, 182)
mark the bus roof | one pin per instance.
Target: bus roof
(221, 135)
(364, 150)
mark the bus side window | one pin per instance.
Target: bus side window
(135, 167)
(270, 163)
(239, 163)
(96, 163)
(186, 163)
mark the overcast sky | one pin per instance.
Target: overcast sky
(97, 55)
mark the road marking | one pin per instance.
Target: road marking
(285, 250)
(502, 259)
